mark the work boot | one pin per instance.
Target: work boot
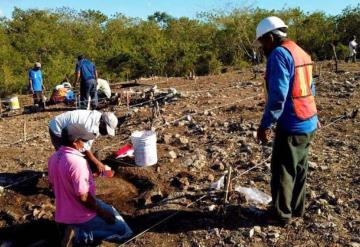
(266, 217)
(269, 218)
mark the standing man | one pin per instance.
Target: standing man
(94, 122)
(74, 188)
(36, 85)
(352, 49)
(290, 104)
(86, 73)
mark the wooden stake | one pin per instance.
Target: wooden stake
(228, 183)
(127, 100)
(24, 131)
(335, 57)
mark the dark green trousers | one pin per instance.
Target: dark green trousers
(289, 166)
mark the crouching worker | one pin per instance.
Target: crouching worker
(74, 188)
(94, 122)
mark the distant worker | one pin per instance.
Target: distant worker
(86, 73)
(63, 93)
(103, 88)
(352, 49)
(36, 86)
(290, 104)
(75, 202)
(94, 122)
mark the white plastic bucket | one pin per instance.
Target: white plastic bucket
(145, 151)
(14, 103)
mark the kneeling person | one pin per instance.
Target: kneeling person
(74, 188)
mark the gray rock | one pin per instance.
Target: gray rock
(213, 114)
(354, 244)
(135, 110)
(149, 197)
(199, 159)
(251, 233)
(179, 123)
(313, 194)
(329, 195)
(172, 155)
(324, 168)
(257, 229)
(273, 235)
(313, 165)
(183, 140)
(167, 139)
(188, 162)
(212, 208)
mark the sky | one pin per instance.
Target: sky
(176, 8)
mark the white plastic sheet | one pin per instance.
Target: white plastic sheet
(254, 195)
(219, 184)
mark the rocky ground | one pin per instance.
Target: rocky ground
(207, 128)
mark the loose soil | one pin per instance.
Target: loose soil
(216, 139)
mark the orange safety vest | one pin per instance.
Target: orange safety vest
(302, 97)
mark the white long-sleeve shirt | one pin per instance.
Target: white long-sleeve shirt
(103, 86)
(352, 47)
(90, 119)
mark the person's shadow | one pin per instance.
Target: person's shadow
(26, 182)
(230, 217)
(45, 232)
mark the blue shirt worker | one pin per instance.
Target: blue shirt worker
(86, 73)
(36, 85)
(290, 104)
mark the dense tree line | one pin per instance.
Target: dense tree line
(124, 47)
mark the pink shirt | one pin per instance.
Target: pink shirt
(70, 177)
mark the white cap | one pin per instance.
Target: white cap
(111, 122)
(270, 24)
(37, 65)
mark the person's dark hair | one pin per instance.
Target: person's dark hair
(280, 39)
(65, 139)
(80, 57)
(102, 127)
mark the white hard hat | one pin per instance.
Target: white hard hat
(269, 24)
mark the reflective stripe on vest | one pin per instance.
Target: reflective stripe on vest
(302, 97)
